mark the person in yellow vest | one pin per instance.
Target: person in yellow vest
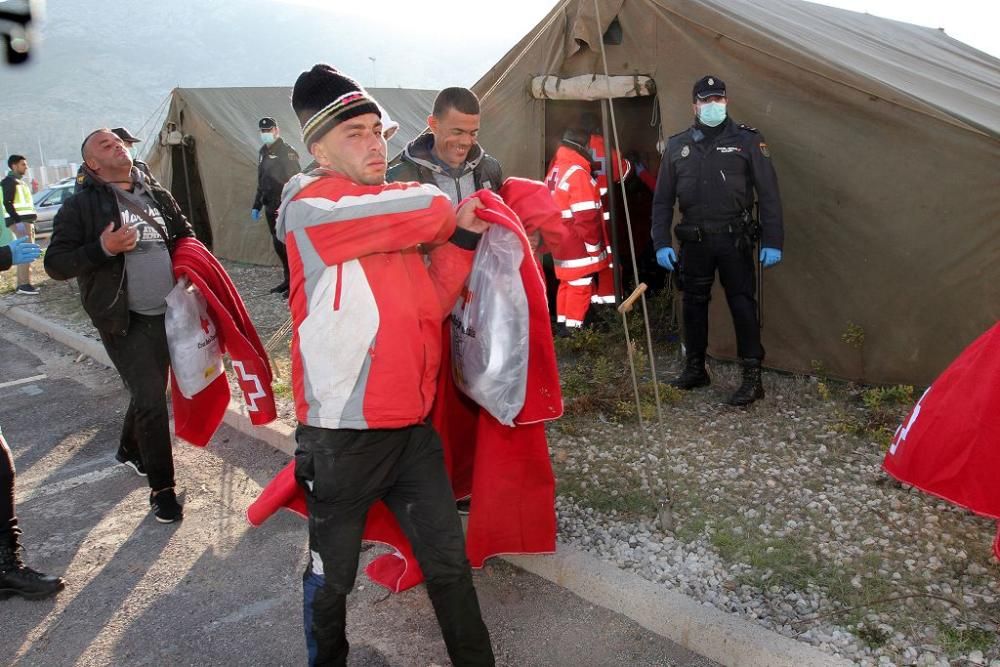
(19, 208)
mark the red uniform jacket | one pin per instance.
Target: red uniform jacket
(507, 470)
(575, 192)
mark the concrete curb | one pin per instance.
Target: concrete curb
(89, 346)
(724, 638)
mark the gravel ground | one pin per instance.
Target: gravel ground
(781, 512)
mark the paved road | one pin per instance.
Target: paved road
(212, 590)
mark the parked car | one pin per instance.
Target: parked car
(48, 201)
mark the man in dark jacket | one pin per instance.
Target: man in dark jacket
(115, 237)
(20, 214)
(15, 577)
(276, 163)
(449, 156)
(712, 169)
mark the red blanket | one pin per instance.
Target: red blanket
(506, 470)
(949, 445)
(196, 419)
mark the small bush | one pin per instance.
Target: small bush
(853, 335)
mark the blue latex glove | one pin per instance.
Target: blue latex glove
(769, 256)
(255, 214)
(667, 258)
(23, 252)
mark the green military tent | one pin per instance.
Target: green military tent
(885, 137)
(206, 154)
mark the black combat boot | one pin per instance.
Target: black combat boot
(16, 579)
(751, 388)
(694, 374)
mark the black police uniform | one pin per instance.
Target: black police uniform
(276, 164)
(712, 173)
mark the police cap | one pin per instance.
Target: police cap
(267, 123)
(708, 86)
(125, 135)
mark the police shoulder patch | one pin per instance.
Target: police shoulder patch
(763, 149)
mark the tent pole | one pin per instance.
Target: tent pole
(187, 185)
(610, 150)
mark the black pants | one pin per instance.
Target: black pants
(8, 522)
(699, 261)
(142, 360)
(344, 472)
(271, 213)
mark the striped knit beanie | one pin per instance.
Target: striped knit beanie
(323, 97)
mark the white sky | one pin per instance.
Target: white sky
(975, 22)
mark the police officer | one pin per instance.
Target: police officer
(277, 162)
(712, 169)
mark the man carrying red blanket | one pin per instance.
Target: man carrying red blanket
(375, 269)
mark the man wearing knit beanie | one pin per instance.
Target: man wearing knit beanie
(375, 269)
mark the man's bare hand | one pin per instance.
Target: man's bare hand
(467, 216)
(117, 241)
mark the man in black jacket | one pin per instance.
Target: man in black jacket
(115, 237)
(712, 169)
(15, 577)
(449, 156)
(276, 163)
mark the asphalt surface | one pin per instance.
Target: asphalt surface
(213, 590)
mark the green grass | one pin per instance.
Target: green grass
(873, 636)
(630, 501)
(965, 640)
(877, 398)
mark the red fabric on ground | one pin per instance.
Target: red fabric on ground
(949, 444)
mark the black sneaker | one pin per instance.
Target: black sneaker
(165, 507)
(30, 290)
(133, 463)
(278, 289)
(463, 506)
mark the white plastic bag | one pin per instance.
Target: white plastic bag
(489, 334)
(195, 354)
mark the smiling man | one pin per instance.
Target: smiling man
(375, 269)
(449, 156)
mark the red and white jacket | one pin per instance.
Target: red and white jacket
(373, 277)
(620, 167)
(576, 194)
